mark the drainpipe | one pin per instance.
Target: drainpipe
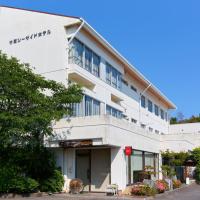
(143, 92)
(68, 43)
(79, 28)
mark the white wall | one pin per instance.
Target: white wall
(118, 168)
(46, 53)
(180, 142)
(185, 128)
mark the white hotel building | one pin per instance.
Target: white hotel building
(120, 106)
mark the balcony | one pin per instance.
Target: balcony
(80, 76)
(104, 130)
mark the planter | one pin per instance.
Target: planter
(76, 186)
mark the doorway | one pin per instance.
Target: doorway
(83, 167)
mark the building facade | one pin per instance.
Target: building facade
(120, 107)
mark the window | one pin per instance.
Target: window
(108, 74)
(150, 129)
(76, 109)
(149, 159)
(114, 112)
(161, 113)
(92, 106)
(133, 88)
(166, 116)
(91, 61)
(87, 107)
(96, 65)
(156, 109)
(88, 59)
(76, 53)
(113, 76)
(143, 103)
(124, 82)
(96, 107)
(150, 106)
(143, 126)
(136, 166)
(134, 120)
(138, 161)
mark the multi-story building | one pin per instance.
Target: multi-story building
(120, 107)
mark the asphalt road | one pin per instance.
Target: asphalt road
(189, 193)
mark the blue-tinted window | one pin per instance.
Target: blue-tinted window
(113, 111)
(108, 74)
(150, 106)
(88, 59)
(76, 53)
(96, 107)
(143, 102)
(87, 107)
(113, 77)
(91, 61)
(162, 114)
(156, 109)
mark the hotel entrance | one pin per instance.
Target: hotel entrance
(93, 168)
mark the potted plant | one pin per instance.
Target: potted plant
(148, 175)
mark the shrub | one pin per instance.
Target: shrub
(12, 180)
(197, 173)
(168, 171)
(160, 186)
(53, 184)
(143, 190)
(176, 184)
(24, 185)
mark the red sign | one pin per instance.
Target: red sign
(128, 150)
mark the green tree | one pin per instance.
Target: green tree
(29, 103)
(196, 157)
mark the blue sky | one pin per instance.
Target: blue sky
(160, 38)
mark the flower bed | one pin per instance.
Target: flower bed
(143, 190)
(160, 186)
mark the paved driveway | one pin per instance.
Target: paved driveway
(189, 193)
